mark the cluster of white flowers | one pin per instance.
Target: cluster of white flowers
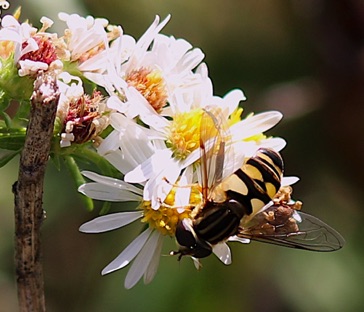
(155, 92)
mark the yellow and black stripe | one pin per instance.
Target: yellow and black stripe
(257, 181)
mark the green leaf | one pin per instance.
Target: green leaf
(6, 156)
(87, 155)
(22, 114)
(12, 139)
(4, 103)
(7, 119)
(78, 179)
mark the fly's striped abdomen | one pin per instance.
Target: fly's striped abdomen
(257, 181)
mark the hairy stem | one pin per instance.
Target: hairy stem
(28, 193)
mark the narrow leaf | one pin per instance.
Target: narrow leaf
(78, 179)
(12, 140)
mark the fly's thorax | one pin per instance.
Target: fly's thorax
(218, 221)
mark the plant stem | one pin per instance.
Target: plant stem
(28, 193)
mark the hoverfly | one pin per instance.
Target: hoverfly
(248, 203)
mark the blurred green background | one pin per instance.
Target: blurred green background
(304, 58)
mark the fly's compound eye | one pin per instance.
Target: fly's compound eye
(189, 243)
(185, 233)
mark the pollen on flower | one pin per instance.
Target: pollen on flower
(165, 218)
(46, 52)
(184, 136)
(6, 48)
(151, 85)
(90, 53)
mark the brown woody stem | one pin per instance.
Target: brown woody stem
(28, 192)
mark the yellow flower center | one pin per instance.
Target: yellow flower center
(7, 47)
(165, 218)
(151, 85)
(184, 135)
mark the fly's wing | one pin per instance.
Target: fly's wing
(213, 134)
(284, 226)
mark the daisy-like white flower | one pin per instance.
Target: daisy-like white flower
(145, 250)
(86, 44)
(32, 49)
(155, 68)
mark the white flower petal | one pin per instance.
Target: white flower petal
(182, 196)
(128, 254)
(115, 183)
(110, 222)
(289, 181)
(143, 44)
(154, 262)
(255, 124)
(274, 143)
(10, 21)
(190, 60)
(233, 98)
(158, 187)
(9, 34)
(114, 103)
(155, 121)
(142, 261)
(86, 33)
(109, 144)
(146, 39)
(105, 192)
(121, 162)
(239, 239)
(191, 158)
(121, 49)
(222, 251)
(150, 167)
